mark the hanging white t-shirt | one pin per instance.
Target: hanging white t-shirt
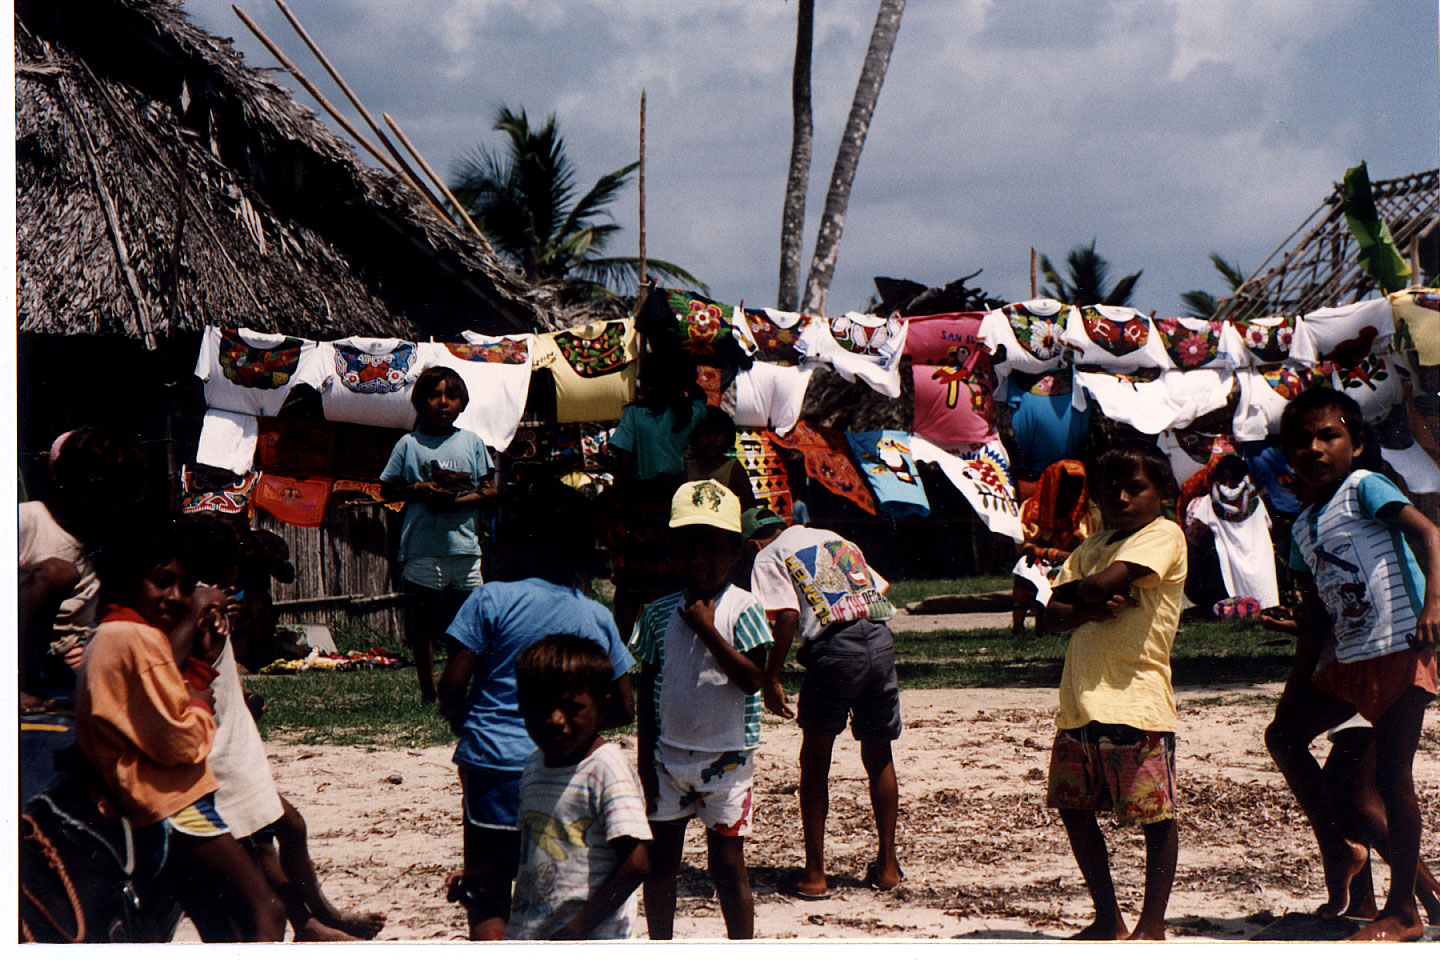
(1246, 552)
(245, 797)
(1031, 332)
(368, 381)
(1139, 399)
(771, 335)
(496, 372)
(1189, 450)
(247, 371)
(770, 395)
(1115, 339)
(858, 346)
(227, 440)
(1367, 326)
(1414, 466)
(983, 477)
(1376, 383)
(1263, 340)
(1193, 393)
(1264, 393)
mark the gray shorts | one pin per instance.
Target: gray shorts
(850, 672)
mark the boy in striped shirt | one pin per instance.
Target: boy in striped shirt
(702, 654)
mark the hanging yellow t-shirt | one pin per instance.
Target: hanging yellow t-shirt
(1118, 671)
(1419, 311)
(594, 368)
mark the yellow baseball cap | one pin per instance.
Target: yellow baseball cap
(705, 502)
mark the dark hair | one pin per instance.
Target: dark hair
(549, 533)
(432, 377)
(1125, 456)
(561, 664)
(715, 420)
(1324, 398)
(103, 460)
(138, 546)
(211, 547)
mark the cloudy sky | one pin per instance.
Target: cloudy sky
(1165, 129)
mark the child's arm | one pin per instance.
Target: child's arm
(645, 732)
(1100, 596)
(622, 705)
(632, 867)
(739, 668)
(1415, 523)
(450, 690)
(786, 623)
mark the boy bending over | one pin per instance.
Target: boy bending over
(1359, 578)
(1120, 592)
(698, 711)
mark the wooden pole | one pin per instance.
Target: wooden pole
(329, 108)
(430, 172)
(1034, 290)
(355, 100)
(643, 276)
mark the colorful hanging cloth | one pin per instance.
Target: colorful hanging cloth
(889, 467)
(827, 461)
(299, 448)
(766, 470)
(232, 499)
(300, 503)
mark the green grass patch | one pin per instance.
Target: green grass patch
(382, 709)
(902, 592)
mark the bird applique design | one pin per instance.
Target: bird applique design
(555, 837)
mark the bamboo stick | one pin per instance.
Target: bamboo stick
(642, 188)
(329, 107)
(390, 121)
(355, 100)
(1034, 290)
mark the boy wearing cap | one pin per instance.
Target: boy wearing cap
(702, 653)
(816, 583)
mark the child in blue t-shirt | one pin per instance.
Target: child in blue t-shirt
(1361, 583)
(496, 624)
(443, 473)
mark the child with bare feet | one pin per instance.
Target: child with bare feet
(1120, 593)
(1359, 579)
(698, 709)
(583, 835)
(818, 586)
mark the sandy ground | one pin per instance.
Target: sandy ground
(983, 857)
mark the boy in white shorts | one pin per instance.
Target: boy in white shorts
(702, 654)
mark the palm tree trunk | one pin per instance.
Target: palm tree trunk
(792, 218)
(847, 158)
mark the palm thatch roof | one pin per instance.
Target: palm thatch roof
(162, 185)
(1322, 268)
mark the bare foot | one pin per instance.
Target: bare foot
(1427, 891)
(1391, 928)
(1340, 868)
(360, 926)
(883, 878)
(815, 888)
(315, 931)
(1113, 929)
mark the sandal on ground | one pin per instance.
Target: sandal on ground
(789, 885)
(872, 872)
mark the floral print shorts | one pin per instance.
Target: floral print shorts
(1105, 766)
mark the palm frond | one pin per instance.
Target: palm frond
(1231, 272)
(1199, 303)
(624, 272)
(598, 197)
(1119, 295)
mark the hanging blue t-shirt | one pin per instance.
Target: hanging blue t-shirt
(1047, 426)
(458, 459)
(498, 622)
(1266, 463)
(884, 458)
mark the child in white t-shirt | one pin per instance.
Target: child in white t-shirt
(583, 834)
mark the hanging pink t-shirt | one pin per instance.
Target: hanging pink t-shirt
(944, 339)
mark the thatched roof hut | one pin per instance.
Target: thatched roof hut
(163, 185)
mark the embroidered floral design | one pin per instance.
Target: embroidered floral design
(774, 343)
(865, 341)
(1119, 338)
(261, 368)
(595, 357)
(1045, 339)
(704, 324)
(1268, 344)
(1189, 348)
(1203, 447)
(364, 372)
(1288, 382)
(506, 351)
(1369, 372)
(1040, 333)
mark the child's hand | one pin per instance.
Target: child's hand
(649, 785)
(205, 695)
(774, 696)
(212, 628)
(699, 614)
(74, 655)
(1427, 629)
(1116, 605)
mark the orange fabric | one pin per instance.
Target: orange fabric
(827, 459)
(135, 722)
(1373, 686)
(1043, 518)
(291, 500)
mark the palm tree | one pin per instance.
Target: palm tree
(1203, 304)
(847, 158)
(1089, 274)
(792, 217)
(523, 200)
